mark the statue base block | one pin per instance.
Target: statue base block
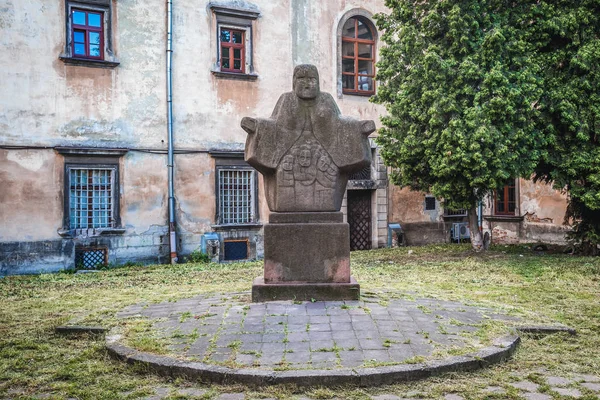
(304, 291)
(307, 256)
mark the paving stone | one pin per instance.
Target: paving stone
(371, 344)
(494, 389)
(300, 357)
(318, 319)
(453, 396)
(323, 356)
(348, 344)
(192, 392)
(317, 345)
(317, 336)
(376, 355)
(595, 387)
(298, 346)
(569, 392)
(558, 381)
(271, 359)
(525, 385)
(273, 337)
(386, 397)
(320, 328)
(295, 328)
(159, 394)
(339, 335)
(231, 396)
(297, 336)
(587, 378)
(536, 396)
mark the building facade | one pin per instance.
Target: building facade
(84, 166)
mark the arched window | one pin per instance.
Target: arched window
(358, 38)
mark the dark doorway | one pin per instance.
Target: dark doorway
(359, 219)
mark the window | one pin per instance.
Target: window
(91, 197)
(505, 199)
(88, 34)
(232, 50)
(91, 190)
(358, 56)
(429, 203)
(236, 196)
(234, 23)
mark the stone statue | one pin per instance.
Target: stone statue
(306, 150)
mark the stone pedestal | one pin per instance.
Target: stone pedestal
(307, 256)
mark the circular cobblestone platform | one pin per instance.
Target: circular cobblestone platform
(377, 340)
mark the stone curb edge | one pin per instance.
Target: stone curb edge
(502, 349)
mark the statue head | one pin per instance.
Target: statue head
(306, 81)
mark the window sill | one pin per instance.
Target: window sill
(219, 227)
(84, 62)
(235, 75)
(504, 218)
(364, 94)
(72, 233)
(454, 216)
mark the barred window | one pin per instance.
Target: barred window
(91, 197)
(429, 203)
(236, 196)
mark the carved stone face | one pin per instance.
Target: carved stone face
(323, 163)
(288, 162)
(304, 158)
(306, 82)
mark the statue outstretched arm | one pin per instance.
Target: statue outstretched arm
(249, 125)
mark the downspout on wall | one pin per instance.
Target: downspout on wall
(170, 161)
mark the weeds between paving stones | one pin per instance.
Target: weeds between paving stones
(539, 288)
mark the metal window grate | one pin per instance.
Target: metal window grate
(235, 250)
(456, 213)
(91, 258)
(429, 203)
(362, 175)
(236, 198)
(90, 198)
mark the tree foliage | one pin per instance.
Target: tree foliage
(566, 36)
(460, 89)
(479, 92)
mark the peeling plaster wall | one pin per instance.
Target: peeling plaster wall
(539, 216)
(46, 102)
(31, 206)
(540, 203)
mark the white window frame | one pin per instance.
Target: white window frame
(247, 47)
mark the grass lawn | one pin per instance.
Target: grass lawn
(542, 288)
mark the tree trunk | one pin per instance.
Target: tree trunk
(476, 237)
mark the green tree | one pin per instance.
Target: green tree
(566, 35)
(461, 89)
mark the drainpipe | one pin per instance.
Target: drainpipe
(170, 162)
(480, 209)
